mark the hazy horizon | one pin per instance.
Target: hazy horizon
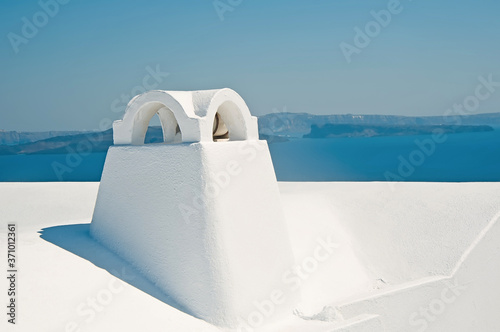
(70, 65)
(155, 121)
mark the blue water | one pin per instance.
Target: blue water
(461, 157)
(51, 167)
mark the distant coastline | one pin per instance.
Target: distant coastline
(275, 128)
(345, 130)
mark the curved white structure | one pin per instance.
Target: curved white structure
(192, 111)
(202, 218)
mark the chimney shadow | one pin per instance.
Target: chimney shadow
(76, 239)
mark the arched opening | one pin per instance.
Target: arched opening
(228, 123)
(155, 123)
(154, 133)
(219, 132)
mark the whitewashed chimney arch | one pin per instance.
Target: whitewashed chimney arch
(193, 111)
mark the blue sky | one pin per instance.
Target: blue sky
(278, 55)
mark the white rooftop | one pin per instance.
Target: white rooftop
(407, 257)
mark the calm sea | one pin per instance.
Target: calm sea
(461, 157)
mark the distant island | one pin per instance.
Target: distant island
(275, 128)
(300, 124)
(345, 130)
